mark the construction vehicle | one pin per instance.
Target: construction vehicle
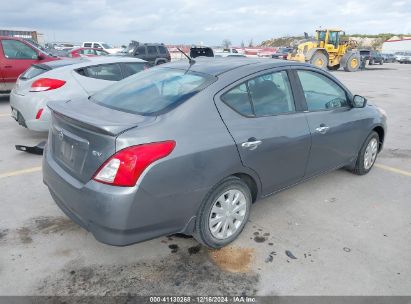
(328, 50)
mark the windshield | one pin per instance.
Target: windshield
(106, 46)
(321, 35)
(153, 91)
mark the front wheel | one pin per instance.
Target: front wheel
(367, 155)
(224, 213)
(319, 60)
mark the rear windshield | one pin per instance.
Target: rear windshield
(32, 72)
(153, 91)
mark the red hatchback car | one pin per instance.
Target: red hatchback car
(88, 52)
(16, 56)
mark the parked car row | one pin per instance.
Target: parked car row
(403, 57)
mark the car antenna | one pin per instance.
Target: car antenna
(190, 60)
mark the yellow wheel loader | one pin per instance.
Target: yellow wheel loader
(328, 50)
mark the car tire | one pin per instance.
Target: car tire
(367, 155)
(218, 234)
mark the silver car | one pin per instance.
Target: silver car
(64, 79)
(189, 147)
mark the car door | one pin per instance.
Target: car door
(151, 54)
(268, 127)
(97, 77)
(18, 57)
(335, 127)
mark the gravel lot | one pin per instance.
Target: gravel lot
(338, 234)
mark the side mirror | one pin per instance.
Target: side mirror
(41, 56)
(359, 101)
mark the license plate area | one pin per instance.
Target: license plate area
(69, 149)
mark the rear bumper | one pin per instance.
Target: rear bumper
(114, 215)
(28, 107)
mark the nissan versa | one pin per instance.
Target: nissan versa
(188, 147)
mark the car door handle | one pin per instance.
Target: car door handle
(322, 129)
(251, 145)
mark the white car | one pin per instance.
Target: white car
(103, 46)
(64, 80)
(403, 57)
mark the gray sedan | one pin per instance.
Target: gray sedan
(189, 148)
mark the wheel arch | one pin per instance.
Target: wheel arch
(252, 184)
(381, 136)
(313, 51)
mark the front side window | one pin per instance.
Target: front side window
(141, 50)
(153, 91)
(271, 94)
(321, 93)
(111, 72)
(14, 49)
(97, 46)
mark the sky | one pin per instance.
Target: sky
(206, 22)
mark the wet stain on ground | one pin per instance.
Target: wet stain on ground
(3, 234)
(260, 239)
(396, 153)
(24, 235)
(48, 225)
(346, 249)
(290, 255)
(194, 249)
(45, 226)
(176, 274)
(233, 259)
(173, 247)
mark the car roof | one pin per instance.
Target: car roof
(220, 65)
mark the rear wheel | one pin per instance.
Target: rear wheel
(319, 60)
(224, 213)
(353, 63)
(367, 155)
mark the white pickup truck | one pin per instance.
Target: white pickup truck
(101, 45)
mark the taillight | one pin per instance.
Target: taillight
(126, 166)
(46, 84)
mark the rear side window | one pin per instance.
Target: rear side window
(321, 93)
(87, 45)
(111, 72)
(87, 52)
(162, 50)
(131, 68)
(152, 50)
(32, 72)
(238, 100)
(153, 91)
(14, 49)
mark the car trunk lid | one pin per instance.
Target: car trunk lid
(83, 135)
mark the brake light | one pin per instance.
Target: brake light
(39, 112)
(46, 84)
(126, 166)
